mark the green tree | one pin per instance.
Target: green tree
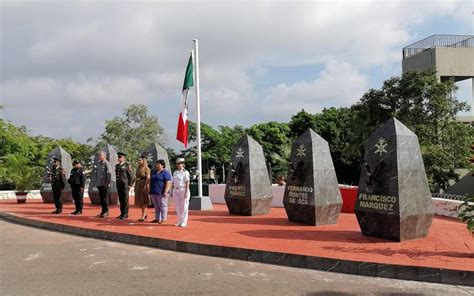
(16, 147)
(15, 140)
(276, 142)
(33, 150)
(466, 212)
(216, 146)
(334, 125)
(17, 169)
(300, 122)
(427, 107)
(133, 132)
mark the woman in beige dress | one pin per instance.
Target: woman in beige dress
(142, 185)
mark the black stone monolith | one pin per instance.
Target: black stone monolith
(155, 152)
(248, 188)
(394, 200)
(312, 193)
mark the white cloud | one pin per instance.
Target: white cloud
(106, 90)
(90, 60)
(338, 84)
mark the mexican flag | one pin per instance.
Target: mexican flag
(182, 134)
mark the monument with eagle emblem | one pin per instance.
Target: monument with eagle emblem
(312, 193)
(394, 200)
(248, 187)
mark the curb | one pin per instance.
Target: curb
(413, 273)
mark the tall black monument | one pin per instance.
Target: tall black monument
(155, 152)
(248, 188)
(394, 200)
(312, 193)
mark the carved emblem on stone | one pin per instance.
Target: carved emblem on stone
(380, 146)
(149, 157)
(300, 152)
(240, 153)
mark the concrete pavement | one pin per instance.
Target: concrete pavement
(40, 262)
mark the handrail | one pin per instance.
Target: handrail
(438, 41)
(469, 42)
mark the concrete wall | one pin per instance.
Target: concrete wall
(448, 61)
(422, 61)
(10, 194)
(455, 61)
(217, 192)
(442, 207)
(446, 207)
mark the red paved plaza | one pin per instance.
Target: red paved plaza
(448, 245)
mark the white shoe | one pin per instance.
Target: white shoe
(183, 225)
(178, 224)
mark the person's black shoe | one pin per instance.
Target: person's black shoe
(74, 213)
(119, 216)
(103, 215)
(123, 217)
(57, 212)
(78, 213)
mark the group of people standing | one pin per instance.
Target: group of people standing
(76, 179)
(152, 186)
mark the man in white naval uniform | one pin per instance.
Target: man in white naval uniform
(181, 192)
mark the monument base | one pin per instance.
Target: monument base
(200, 203)
(394, 227)
(249, 207)
(66, 197)
(314, 216)
(95, 199)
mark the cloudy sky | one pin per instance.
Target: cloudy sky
(67, 66)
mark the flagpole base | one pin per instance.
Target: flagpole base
(200, 203)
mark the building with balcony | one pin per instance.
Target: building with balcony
(451, 55)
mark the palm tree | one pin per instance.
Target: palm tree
(17, 169)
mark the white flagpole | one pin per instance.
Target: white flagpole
(198, 114)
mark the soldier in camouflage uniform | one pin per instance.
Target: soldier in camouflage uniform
(125, 179)
(57, 178)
